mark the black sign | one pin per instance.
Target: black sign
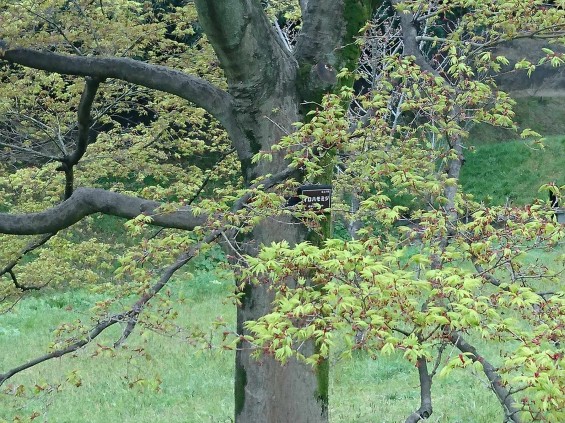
(313, 197)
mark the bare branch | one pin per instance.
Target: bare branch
(130, 315)
(9, 268)
(282, 36)
(26, 287)
(209, 174)
(29, 151)
(421, 38)
(57, 28)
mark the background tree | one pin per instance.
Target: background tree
(106, 114)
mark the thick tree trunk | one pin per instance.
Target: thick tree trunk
(268, 85)
(265, 390)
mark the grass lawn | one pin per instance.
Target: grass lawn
(513, 170)
(195, 383)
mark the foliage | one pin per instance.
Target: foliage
(360, 388)
(421, 280)
(406, 288)
(460, 269)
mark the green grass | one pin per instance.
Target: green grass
(513, 171)
(196, 384)
(386, 390)
(542, 114)
(501, 170)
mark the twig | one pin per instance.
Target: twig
(130, 316)
(438, 360)
(9, 268)
(232, 247)
(57, 28)
(133, 314)
(30, 151)
(209, 175)
(25, 287)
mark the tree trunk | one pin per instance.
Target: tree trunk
(269, 84)
(265, 390)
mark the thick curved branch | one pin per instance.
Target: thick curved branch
(87, 201)
(504, 396)
(196, 90)
(84, 120)
(245, 42)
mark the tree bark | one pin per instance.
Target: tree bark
(266, 81)
(87, 201)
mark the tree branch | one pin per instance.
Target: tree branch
(245, 42)
(87, 201)
(130, 315)
(410, 40)
(133, 314)
(84, 122)
(29, 151)
(9, 268)
(318, 37)
(196, 90)
(503, 394)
